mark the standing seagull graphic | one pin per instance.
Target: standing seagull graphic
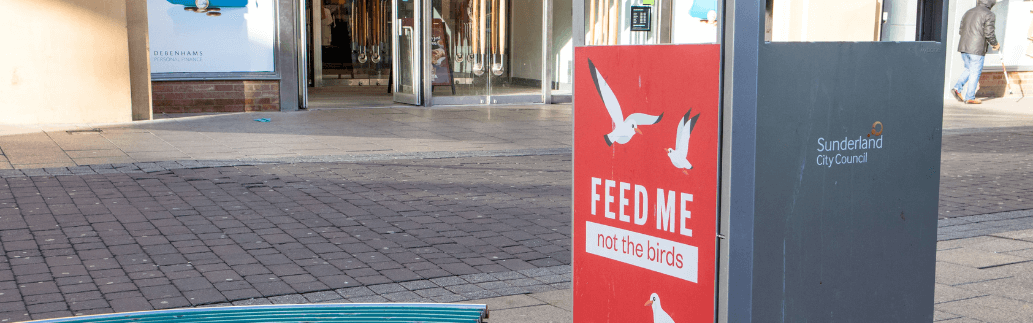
(679, 155)
(623, 129)
(659, 316)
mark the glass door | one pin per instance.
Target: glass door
(406, 36)
(517, 60)
(350, 40)
(457, 47)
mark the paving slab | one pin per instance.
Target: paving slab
(975, 284)
(536, 314)
(316, 132)
(946, 293)
(1024, 253)
(1025, 235)
(1001, 245)
(1014, 289)
(563, 299)
(990, 309)
(509, 302)
(976, 258)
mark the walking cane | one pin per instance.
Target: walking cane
(1007, 82)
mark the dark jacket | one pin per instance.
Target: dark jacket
(977, 29)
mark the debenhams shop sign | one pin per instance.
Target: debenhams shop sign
(177, 56)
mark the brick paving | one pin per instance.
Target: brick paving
(971, 226)
(443, 229)
(986, 171)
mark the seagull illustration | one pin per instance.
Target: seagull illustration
(659, 316)
(679, 155)
(623, 129)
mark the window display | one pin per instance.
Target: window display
(640, 22)
(1015, 34)
(203, 36)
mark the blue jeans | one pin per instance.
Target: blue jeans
(973, 69)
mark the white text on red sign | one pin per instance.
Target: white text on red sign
(660, 255)
(672, 208)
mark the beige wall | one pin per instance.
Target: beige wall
(824, 20)
(139, 59)
(64, 61)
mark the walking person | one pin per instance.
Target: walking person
(977, 32)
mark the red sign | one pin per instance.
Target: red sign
(645, 183)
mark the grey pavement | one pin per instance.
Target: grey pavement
(313, 135)
(984, 258)
(396, 204)
(993, 114)
(986, 157)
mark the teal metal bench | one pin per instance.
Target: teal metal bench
(350, 313)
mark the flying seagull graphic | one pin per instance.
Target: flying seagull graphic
(623, 129)
(679, 155)
(659, 316)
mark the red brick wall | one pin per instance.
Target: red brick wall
(992, 84)
(215, 96)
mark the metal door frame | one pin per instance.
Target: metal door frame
(416, 53)
(301, 32)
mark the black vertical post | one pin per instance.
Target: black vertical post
(931, 14)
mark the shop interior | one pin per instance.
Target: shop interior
(473, 51)
(349, 53)
(631, 22)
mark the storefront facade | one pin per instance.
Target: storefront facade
(439, 52)
(260, 55)
(265, 55)
(223, 55)
(468, 52)
(194, 56)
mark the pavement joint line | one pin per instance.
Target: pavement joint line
(65, 152)
(982, 281)
(1007, 264)
(995, 235)
(148, 167)
(961, 299)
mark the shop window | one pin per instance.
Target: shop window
(853, 20)
(1015, 34)
(562, 48)
(232, 37)
(641, 22)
